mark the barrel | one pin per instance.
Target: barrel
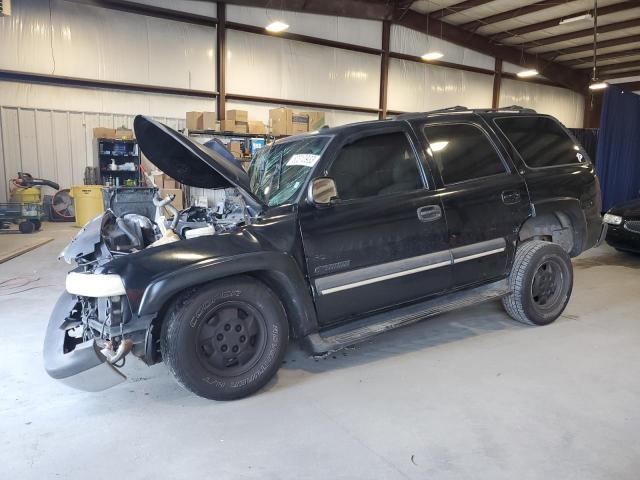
(87, 202)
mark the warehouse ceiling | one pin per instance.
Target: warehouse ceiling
(555, 30)
(554, 36)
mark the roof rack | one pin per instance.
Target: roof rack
(459, 108)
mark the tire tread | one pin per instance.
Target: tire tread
(513, 303)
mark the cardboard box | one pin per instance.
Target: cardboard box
(280, 121)
(316, 120)
(299, 123)
(256, 128)
(241, 127)
(162, 180)
(238, 115)
(227, 125)
(194, 120)
(235, 148)
(124, 134)
(298, 128)
(168, 182)
(178, 202)
(209, 120)
(102, 132)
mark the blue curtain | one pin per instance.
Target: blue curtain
(618, 164)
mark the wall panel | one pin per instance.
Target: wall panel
(49, 38)
(367, 33)
(417, 87)
(10, 144)
(62, 148)
(300, 71)
(566, 105)
(411, 42)
(28, 142)
(47, 164)
(53, 144)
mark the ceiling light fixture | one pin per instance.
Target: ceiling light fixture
(595, 83)
(532, 72)
(579, 18)
(598, 85)
(277, 27)
(432, 56)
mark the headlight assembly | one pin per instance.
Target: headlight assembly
(94, 285)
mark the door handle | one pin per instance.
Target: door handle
(510, 197)
(429, 213)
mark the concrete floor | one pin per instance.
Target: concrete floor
(470, 394)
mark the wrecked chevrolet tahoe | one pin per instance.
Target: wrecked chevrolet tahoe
(330, 238)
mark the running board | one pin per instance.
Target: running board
(344, 335)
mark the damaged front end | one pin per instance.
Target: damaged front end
(97, 322)
(77, 357)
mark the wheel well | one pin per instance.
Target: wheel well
(556, 226)
(288, 302)
(265, 277)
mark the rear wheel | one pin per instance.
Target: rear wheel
(541, 281)
(225, 340)
(37, 224)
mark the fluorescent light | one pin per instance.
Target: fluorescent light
(598, 85)
(532, 72)
(276, 27)
(586, 16)
(432, 56)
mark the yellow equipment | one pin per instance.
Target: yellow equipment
(88, 203)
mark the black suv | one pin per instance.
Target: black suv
(330, 238)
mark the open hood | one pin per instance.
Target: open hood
(187, 161)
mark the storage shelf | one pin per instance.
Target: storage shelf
(121, 151)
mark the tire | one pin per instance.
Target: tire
(27, 227)
(37, 224)
(225, 340)
(541, 281)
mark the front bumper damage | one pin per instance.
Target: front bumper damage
(78, 364)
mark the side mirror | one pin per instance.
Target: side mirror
(322, 191)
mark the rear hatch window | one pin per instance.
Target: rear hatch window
(541, 141)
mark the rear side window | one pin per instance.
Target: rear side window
(540, 141)
(376, 165)
(462, 152)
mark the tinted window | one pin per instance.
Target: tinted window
(462, 152)
(376, 165)
(540, 141)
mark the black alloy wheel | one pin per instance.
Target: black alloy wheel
(232, 339)
(226, 339)
(547, 284)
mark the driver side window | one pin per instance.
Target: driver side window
(376, 165)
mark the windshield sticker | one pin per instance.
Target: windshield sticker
(303, 160)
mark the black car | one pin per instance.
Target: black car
(330, 238)
(623, 222)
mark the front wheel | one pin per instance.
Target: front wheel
(225, 340)
(541, 281)
(27, 227)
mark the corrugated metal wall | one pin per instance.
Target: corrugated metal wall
(53, 144)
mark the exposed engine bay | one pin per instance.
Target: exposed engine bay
(107, 319)
(132, 232)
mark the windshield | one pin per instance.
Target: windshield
(278, 172)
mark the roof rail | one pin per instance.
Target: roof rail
(458, 108)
